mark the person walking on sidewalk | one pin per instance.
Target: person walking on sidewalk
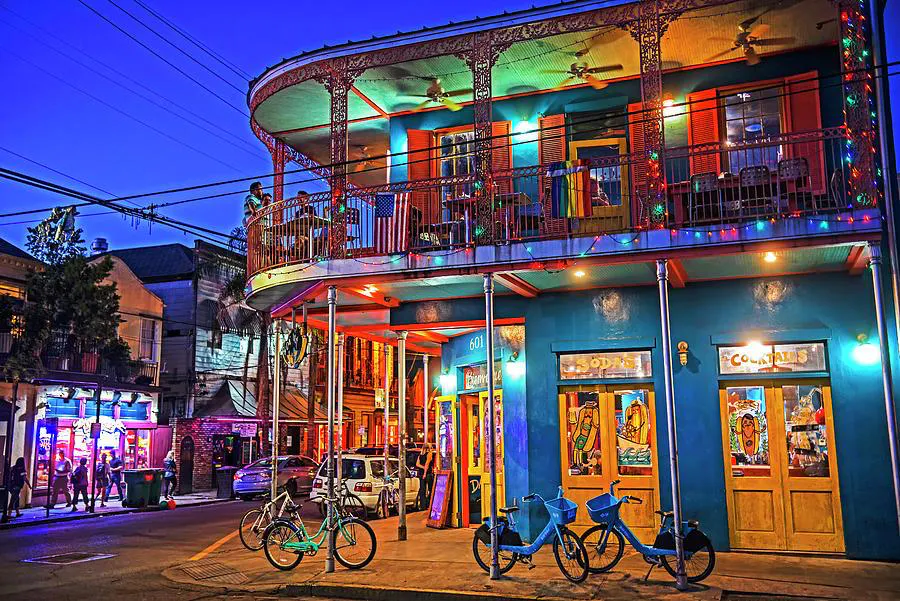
(115, 475)
(101, 480)
(80, 484)
(170, 480)
(61, 470)
(18, 481)
(425, 467)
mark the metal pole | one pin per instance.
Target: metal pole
(330, 381)
(96, 442)
(889, 407)
(10, 447)
(662, 277)
(884, 137)
(276, 404)
(387, 410)
(339, 468)
(491, 435)
(426, 394)
(401, 432)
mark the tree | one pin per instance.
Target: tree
(56, 239)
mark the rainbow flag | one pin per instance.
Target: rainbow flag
(569, 189)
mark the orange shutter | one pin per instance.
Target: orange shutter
(636, 117)
(703, 128)
(501, 154)
(419, 155)
(804, 114)
(551, 148)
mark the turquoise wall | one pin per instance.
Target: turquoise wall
(834, 307)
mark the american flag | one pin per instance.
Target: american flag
(391, 222)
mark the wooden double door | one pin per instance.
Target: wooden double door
(781, 475)
(608, 433)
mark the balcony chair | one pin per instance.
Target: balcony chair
(705, 199)
(757, 192)
(794, 186)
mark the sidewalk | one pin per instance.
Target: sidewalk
(437, 565)
(38, 515)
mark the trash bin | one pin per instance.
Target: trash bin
(225, 481)
(142, 487)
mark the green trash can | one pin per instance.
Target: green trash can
(142, 487)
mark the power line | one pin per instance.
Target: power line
(175, 46)
(118, 110)
(56, 171)
(161, 57)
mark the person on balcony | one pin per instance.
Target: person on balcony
(254, 202)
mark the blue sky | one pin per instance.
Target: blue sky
(45, 119)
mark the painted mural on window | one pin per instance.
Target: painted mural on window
(633, 452)
(583, 434)
(445, 435)
(748, 431)
(806, 430)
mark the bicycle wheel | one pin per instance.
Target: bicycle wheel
(602, 557)
(571, 556)
(277, 535)
(482, 553)
(354, 543)
(354, 507)
(253, 527)
(697, 567)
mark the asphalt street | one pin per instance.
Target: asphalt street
(141, 545)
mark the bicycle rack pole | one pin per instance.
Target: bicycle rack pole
(662, 275)
(401, 432)
(276, 405)
(491, 435)
(332, 302)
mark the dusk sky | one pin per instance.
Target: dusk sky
(45, 119)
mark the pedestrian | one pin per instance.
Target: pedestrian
(101, 480)
(425, 467)
(253, 202)
(18, 481)
(61, 470)
(115, 475)
(170, 480)
(80, 482)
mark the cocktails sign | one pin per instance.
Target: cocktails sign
(756, 358)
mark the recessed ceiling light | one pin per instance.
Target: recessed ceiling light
(579, 274)
(770, 257)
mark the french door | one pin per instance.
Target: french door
(781, 477)
(608, 433)
(477, 499)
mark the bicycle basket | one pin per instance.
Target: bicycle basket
(604, 509)
(562, 511)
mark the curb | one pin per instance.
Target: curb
(376, 593)
(87, 516)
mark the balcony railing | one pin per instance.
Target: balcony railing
(790, 175)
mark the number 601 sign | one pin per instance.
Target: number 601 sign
(477, 342)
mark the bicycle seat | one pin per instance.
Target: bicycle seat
(512, 509)
(665, 514)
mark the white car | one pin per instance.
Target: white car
(364, 479)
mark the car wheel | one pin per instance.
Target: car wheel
(245, 497)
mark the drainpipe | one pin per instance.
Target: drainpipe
(387, 411)
(889, 407)
(339, 467)
(330, 381)
(491, 434)
(662, 276)
(401, 432)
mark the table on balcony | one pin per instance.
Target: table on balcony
(303, 222)
(729, 187)
(462, 209)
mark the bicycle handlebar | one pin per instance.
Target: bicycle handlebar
(635, 500)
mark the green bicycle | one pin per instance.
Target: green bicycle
(286, 541)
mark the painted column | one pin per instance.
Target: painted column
(387, 410)
(329, 388)
(889, 406)
(426, 395)
(662, 276)
(491, 435)
(401, 432)
(276, 405)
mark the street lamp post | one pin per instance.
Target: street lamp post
(491, 435)
(276, 406)
(401, 432)
(329, 462)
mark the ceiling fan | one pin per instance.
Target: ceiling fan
(581, 71)
(748, 37)
(363, 160)
(436, 94)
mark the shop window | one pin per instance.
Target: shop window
(748, 431)
(633, 423)
(806, 431)
(753, 116)
(445, 435)
(456, 157)
(149, 347)
(137, 449)
(584, 448)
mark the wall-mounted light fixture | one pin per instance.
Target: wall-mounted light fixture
(683, 352)
(866, 353)
(116, 397)
(515, 367)
(70, 394)
(447, 380)
(134, 397)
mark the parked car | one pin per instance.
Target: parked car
(412, 454)
(364, 475)
(295, 473)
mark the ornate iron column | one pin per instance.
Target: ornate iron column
(859, 117)
(279, 160)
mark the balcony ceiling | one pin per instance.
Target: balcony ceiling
(691, 40)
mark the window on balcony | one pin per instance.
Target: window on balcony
(149, 346)
(456, 156)
(752, 117)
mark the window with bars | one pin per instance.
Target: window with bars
(149, 344)
(752, 117)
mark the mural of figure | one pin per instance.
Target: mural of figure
(586, 420)
(748, 433)
(636, 427)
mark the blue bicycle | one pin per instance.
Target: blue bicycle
(606, 541)
(571, 556)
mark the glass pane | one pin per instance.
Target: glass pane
(805, 426)
(583, 434)
(633, 422)
(445, 435)
(748, 431)
(498, 441)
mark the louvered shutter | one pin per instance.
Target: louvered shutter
(804, 114)
(636, 117)
(419, 156)
(551, 148)
(703, 128)
(501, 155)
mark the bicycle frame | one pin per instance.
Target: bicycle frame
(546, 535)
(311, 544)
